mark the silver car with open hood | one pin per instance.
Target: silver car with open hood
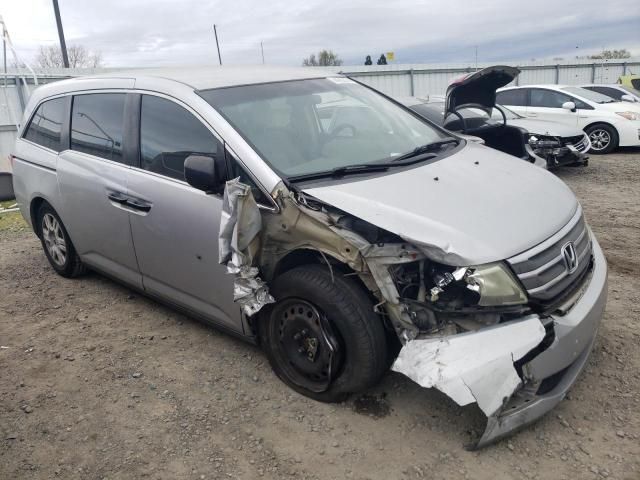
(313, 215)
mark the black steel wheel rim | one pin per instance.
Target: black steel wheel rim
(306, 344)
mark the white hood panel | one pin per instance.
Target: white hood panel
(472, 214)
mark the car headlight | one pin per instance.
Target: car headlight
(489, 285)
(539, 142)
(629, 115)
(495, 284)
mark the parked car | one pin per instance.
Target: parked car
(619, 93)
(311, 214)
(558, 144)
(608, 123)
(630, 81)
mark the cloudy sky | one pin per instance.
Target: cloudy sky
(161, 32)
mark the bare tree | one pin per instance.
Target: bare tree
(50, 56)
(611, 54)
(326, 58)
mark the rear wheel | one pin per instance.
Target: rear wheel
(322, 337)
(56, 243)
(603, 138)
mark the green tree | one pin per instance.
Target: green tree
(326, 58)
(368, 61)
(611, 54)
(382, 60)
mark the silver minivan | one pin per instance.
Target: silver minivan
(313, 215)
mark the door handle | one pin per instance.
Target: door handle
(117, 197)
(532, 114)
(137, 204)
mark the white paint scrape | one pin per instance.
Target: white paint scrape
(472, 367)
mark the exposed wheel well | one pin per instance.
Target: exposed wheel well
(306, 256)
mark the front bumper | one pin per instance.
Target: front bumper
(552, 373)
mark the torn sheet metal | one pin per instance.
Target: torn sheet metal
(240, 224)
(475, 366)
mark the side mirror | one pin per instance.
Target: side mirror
(628, 98)
(569, 106)
(205, 173)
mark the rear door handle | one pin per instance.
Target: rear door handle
(118, 197)
(532, 114)
(137, 204)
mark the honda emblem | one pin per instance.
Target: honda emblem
(570, 257)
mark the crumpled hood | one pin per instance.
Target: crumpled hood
(545, 127)
(475, 206)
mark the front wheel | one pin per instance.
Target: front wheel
(603, 138)
(322, 337)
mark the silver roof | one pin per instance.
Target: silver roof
(201, 78)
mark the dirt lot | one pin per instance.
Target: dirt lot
(98, 382)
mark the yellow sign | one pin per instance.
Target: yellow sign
(390, 56)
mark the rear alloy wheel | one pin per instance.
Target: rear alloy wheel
(322, 336)
(56, 243)
(603, 138)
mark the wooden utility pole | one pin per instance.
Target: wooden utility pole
(63, 44)
(215, 32)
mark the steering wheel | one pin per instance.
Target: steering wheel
(462, 120)
(343, 126)
(504, 116)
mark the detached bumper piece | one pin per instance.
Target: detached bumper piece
(499, 367)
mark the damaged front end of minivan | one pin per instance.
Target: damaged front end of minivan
(467, 331)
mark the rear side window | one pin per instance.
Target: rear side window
(168, 135)
(608, 91)
(46, 125)
(548, 98)
(514, 98)
(97, 125)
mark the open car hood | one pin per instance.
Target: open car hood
(478, 89)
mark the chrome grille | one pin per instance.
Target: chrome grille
(580, 142)
(544, 270)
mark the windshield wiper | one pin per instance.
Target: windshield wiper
(339, 172)
(429, 147)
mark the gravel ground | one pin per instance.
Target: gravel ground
(98, 382)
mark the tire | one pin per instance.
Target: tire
(603, 138)
(57, 245)
(307, 297)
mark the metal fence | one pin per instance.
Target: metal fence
(417, 80)
(395, 80)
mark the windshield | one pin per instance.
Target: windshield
(589, 95)
(308, 126)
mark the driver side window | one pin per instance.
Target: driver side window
(548, 98)
(169, 134)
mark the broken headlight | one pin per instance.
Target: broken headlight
(495, 284)
(545, 145)
(449, 288)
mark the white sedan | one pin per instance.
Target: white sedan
(608, 123)
(616, 91)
